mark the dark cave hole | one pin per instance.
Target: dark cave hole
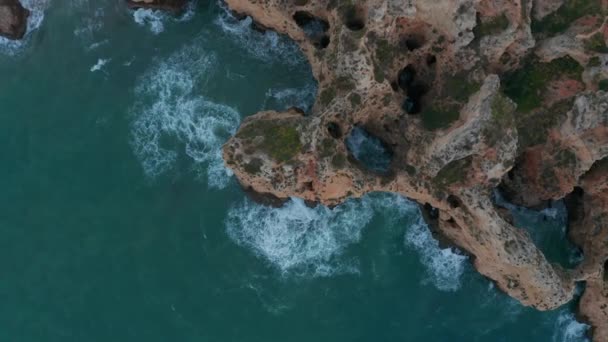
(430, 60)
(414, 90)
(354, 18)
(334, 130)
(315, 28)
(373, 153)
(453, 201)
(413, 43)
(413, 101)
(511, 174)
(433, 213)
(406, 76)
(606, 270)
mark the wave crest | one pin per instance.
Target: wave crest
(169, 107)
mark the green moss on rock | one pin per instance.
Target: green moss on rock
(439, 116)
(597, 43)
(491, 26)
(561, 19)
(454, 172)
(500, 121)
(526, 85)
(277, 139)
(327, 95)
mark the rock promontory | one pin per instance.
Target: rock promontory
(462, 98)
(13, 19)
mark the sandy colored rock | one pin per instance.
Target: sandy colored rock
(464, 96)
(13, 19)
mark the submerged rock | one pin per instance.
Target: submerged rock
(13, 19)
(165, 5)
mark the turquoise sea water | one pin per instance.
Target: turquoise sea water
(118, 221)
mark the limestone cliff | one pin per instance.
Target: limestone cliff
(465, 96)
(13, 19)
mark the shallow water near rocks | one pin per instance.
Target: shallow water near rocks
(119, 222)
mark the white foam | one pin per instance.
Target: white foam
(299, 240)
(100, 64)
(155, 19)
(568, 329)
(266, 46)
(152, 18)
(96, 45)
(283, 98)
(37, 8)
(444, 267)
(303, 241)
(170, 106)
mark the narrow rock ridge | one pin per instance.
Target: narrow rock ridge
(13, 19)
(467, 96)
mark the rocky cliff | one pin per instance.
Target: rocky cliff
(461, 97)
(13, 19)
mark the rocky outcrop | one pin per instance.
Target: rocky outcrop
(13, 19)
(175, 6)
(465, 95)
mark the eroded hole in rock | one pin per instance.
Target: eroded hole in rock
(334, 130)
(431, 60)
(413, 42)
(453, 201)
(315, 28)
(414, 90)
(354, 18)
(606, 270)
(406, 76)
(413, 102)
(369, 150)
(432, 213)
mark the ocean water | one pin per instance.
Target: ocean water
(118, 221)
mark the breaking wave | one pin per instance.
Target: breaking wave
(444, 267)
(172, 116)
(266, 46)
(303, 241)
(37, 8)
(297, 239)
(155, 19)
(568, 329)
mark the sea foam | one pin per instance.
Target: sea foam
(568, 329)
(170, 107)
(267, 46)
(297, 239)
(444, 267)
(303, 241)
(37, 8)
(155, 19)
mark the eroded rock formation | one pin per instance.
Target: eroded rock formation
(13, 19)
(466, 96)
